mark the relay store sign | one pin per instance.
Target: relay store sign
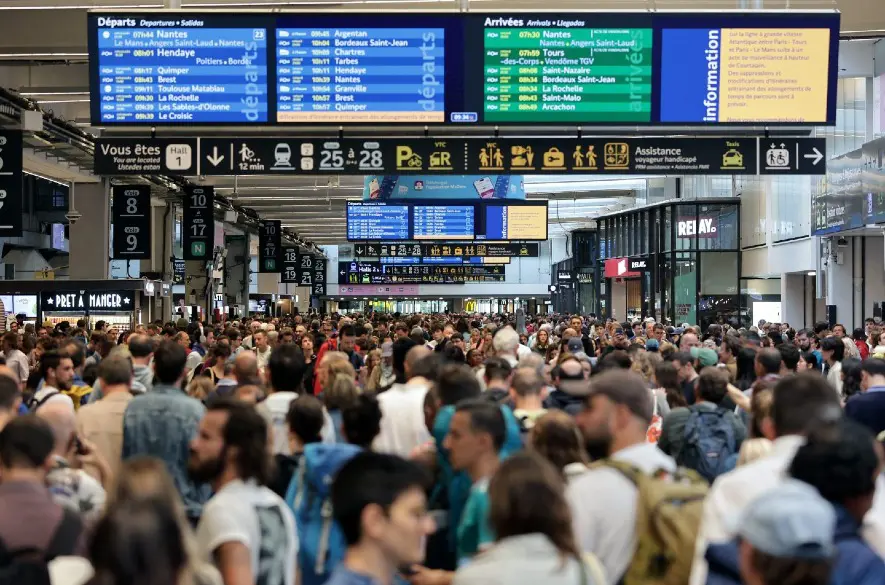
(82, 301)
(620, 268)
(704, 227)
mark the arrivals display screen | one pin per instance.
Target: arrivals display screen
(471, 68)
(369, 221)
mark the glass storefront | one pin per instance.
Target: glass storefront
(692, 263)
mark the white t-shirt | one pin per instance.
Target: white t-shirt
(53, 394)
(402, 419)
(275, 408)
(263, 358)
(603, 504)
(258, 518)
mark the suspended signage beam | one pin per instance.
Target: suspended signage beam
(460, 156)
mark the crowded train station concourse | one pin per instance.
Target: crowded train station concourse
(442, 292)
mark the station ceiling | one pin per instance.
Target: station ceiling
(43, 56)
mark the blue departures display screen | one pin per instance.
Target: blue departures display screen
(448, 220)
(180, 71)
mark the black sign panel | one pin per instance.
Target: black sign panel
(792, 156)
(289, 273)
(270, 246)
(81, 301)
(458, 156)
(10, 183)
(198, 228)
(305, 269)
(377, 273)
(319, 289)
(638, 265)
(137, 156)
(528, 250)
(132, 222)
(319, 271)
(178, 271)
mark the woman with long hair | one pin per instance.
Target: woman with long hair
(339, 388)
(308, 349)
(667, 379)
(851, 377)
(214, 369)
(144, 537)
(532, 522)
(556, 437)
(542, 340)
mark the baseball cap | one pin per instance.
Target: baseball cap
(574, 345)
(627, 388)
(705, 356)
(652, 345)
(387, 349)
(790, 521)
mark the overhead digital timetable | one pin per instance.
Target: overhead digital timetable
(446, 221)
(434, 68)
(179, 71)
(360, 75)
(567, 74)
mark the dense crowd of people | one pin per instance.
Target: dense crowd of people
(374, 449)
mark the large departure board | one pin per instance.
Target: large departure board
(567, 73)
(446, 221)
(180, 70)
(360, 75)
(431, 68)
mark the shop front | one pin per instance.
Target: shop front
(121, 303)
(678, 262)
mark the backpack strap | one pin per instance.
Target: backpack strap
(35, 404)
(64, 541)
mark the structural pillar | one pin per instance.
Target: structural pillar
(236, 272)
(90, 234)
(196, 281)
(160, 263)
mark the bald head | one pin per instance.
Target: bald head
(246, 368)
(61, 419)
(571, 369)
(415, 355)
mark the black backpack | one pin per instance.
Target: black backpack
(29, 566)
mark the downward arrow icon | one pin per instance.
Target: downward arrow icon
(216, 158)
(817, 155)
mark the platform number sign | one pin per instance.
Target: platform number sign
(319, 277)
(290, 270)
(198, 227)
(131, 215)
(305, 270)
(270, 246)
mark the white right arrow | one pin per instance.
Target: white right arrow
(817, 156)
(216, 158)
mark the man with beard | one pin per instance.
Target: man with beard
(57, 372)
(246, 529)
(614, 421)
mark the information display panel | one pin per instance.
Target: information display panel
(391, 221)
(559, 70)
(158, 69)
(591, 68)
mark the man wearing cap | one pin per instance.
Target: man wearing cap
(791, 530)
(571, 387)
(614, 421)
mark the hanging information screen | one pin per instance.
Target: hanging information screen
(433, 68)
(168, 69)
(538, 71)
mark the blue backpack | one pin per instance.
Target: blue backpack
(321, 544)
(708, 443)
